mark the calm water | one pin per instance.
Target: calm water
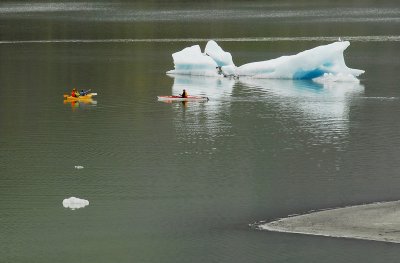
(182, 182)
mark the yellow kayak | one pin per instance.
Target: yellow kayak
(80, 98)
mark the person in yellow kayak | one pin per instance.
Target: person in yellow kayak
(75, 93)
(184, 94)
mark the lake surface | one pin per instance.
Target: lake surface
(183, 182)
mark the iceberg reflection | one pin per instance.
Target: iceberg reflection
(320, 107)
(202, 120)
(214, 88)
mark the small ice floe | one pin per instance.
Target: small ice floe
(75, 203)
(79, 167)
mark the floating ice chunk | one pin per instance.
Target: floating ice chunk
(191, 61)
(75, 203)
(79, 167)
(221, 57)
(309, 64)
(329, 78)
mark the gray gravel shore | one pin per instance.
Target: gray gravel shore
(377, 221)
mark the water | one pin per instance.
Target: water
(182, 182)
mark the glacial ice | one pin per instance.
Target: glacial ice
(191, 61)
(221, 57)
(340, 77)
(309, 64)
(75, 203)
(324, 61)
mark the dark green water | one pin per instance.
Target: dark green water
(182, 183)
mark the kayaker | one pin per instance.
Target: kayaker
(74, 93)
(84, 92)
(184, 94)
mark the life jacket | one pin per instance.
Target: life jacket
(73, 93)
(184, 94)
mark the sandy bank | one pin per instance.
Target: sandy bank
(377, 221)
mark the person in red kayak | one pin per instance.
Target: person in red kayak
(74, 93)
(184, 94)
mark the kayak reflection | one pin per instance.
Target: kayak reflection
(81, 104)
(80, 101)
(170, 99)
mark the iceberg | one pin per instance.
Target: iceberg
(309, 64)
(221, 57)
(325, 62)
(191, 61)
(75, 203)
(328, 78)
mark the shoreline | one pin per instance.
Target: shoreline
(374, 222)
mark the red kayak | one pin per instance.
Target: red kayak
(179, 98)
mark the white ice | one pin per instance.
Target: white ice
(309, 64)
(325, 61)
(340, 77)
(221, 57)
(191, 61)
(75, 203)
